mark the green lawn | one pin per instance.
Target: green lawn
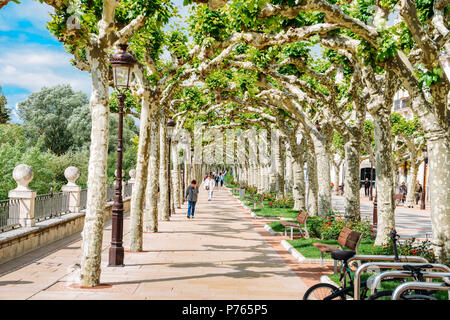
(306, 248)
(277, 226)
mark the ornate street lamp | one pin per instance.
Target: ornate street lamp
(371, 179)
(375, 209)
(122, 63)
(170, 129)
(425, 156)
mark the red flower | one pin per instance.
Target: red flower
(371, 230)
(329, 223)
(322, 228)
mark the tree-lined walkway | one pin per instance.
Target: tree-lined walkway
(221, 254)
(409, 222)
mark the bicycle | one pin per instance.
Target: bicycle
(416, 274)
(326, 291)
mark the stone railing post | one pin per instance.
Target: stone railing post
(23, 196)
(132, 181)
(72, 189)
(132, 174)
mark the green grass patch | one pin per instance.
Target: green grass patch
(276, 212)
(277, 226)
(306, 248)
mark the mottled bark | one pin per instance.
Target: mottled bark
(175, 174)
(96, 196)
(384, 177)
(412, 178)
(352, 179)
(151, 212)
(323, 159)
(312, 205)
(280, 166)
(439, 179)
(163, 173)
(138, 195)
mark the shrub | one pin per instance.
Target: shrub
(333, 224)
(282, 203)
(271, 196)
(314, 225)
(251, 190)
(409, 247)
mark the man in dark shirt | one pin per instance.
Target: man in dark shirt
(191, 196)
(366, 187)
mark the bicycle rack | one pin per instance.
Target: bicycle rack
(384, 258)
(418, 285)
(386, 265)
(404, 274)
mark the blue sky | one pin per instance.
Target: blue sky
(32, 58)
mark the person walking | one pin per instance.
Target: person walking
(403, 191)
(191, 196)
(418, 191)
(209, 185)
(366, 187)
(221, 180)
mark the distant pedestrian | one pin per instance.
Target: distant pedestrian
(366, 187)
(403, 191)
(418, 191)
(221, 179)
(209, 185)
(191, 196)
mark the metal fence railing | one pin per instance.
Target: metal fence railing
(51, 205)
(128, 189)
(9, 214)
(110, 192)
(83, 199)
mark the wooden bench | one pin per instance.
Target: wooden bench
(347, 239)
(301, 220)
(260, 201)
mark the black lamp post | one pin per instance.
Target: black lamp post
(170, 127)
(375, 209)
(425, 155)
(371, 179)
(122, 62)
(192, 163)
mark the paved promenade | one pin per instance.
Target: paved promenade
(409, 222)
(221, 254)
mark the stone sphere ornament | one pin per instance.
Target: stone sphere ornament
(132, 173)
(23, 175)
(115, 173)
(72, 174)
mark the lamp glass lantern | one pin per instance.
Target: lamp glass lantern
(170, 127)
(122, 62)
(425, 154)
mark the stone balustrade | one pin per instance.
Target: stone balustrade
(32, 234)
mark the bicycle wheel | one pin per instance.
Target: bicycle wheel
(322, 291)
(381, 295)
(418, 297)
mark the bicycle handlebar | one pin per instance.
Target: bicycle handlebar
(394, 237)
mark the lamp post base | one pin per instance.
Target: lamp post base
(116, 255)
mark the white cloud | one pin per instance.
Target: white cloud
(35, 66)
(35, 13)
